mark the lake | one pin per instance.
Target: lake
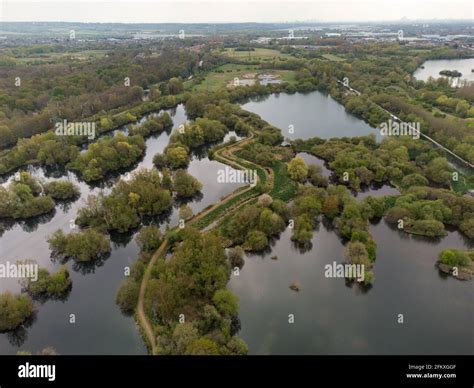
(306, 115)
(331, 317)
(100, 326)
(432, 68)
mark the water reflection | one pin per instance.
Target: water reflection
(432, 68)
(101, 327)
(335, 317)
(310, 114)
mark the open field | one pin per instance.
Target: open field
(224, 74)
(259, 54)
(60, 57)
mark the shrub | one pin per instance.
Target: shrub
(256, 241)
(61, 190)
(81, 246)
(14, 310)
(50, 284)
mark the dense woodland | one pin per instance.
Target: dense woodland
(78, 91)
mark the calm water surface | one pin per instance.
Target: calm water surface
(311, 114)
(100, 326)
(433, 67)
(330, 316)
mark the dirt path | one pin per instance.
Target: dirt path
(224, 155)
(142, 318)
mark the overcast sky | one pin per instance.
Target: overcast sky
(195, 11)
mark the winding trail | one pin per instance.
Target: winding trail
(142, 318)
(226, 156)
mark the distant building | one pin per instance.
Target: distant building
(332, 35)
(305, 46)
(292, 38)
(261, 40)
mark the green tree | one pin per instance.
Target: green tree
(256, 241)
(185, 185)
(430, 228)
(439, 171)
(183, 335)
(14, 310)
(204, 260)
(226, 302)
(298, 169)
(397, 213)
(176, 156)
(149, 238)
(331, 206)
(6, 136)
(236, 258)
(195, 105)
(61, 190)
(237, 346)
(54, 284)
(270, 223)
(316, 176)
(30, 181)
(356, 253)
(213, 130)
(127, 295)
(303, 231)
(81, 246)
(175, 86)
(185, 212)
(456, 257)
(414, 180)
(202, 347)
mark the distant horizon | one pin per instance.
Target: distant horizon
(401, 21)
(231, 11)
